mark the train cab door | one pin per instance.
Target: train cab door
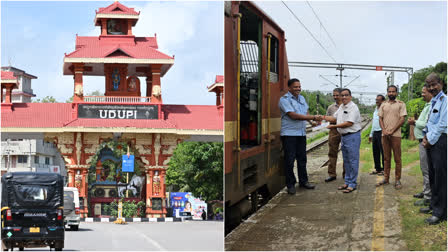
(274, 79)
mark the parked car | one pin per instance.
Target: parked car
(71, 208)
(32, 210)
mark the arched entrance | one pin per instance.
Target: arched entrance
(107, 182)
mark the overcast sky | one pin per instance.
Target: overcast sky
(411, 34)
(35, 36)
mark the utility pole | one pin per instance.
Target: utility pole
(29, 157)
(8, 152)
(340, 68)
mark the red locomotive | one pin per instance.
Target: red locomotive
(256, 75)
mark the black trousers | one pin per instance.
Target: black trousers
(294, 148)
(377, 147)
(437, 176)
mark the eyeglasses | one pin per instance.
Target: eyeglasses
(345, 95)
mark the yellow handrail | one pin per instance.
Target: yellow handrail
(238, 79)
(269, 103)
(4, 208)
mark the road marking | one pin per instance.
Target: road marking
(378, 218)
(153, 242)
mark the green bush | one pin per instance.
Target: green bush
(130, 209)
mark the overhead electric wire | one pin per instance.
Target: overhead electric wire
(321, 24)
(320, 44)
(325, 29)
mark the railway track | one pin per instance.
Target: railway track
(317, 157)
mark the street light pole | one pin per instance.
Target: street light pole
(29, 157)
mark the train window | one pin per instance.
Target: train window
(273, 76)
(250, 84)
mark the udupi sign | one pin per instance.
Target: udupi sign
(118, 111)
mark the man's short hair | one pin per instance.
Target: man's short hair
(392, 86)
(346, 89)
(382, 97)
(433, 77)
(337, 90)
(291, 81)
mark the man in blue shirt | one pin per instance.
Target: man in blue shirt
(294, 110)
(435, 143)
(375, 136)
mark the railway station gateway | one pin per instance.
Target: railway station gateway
(93, 133)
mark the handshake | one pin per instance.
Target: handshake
(315, 119)
(318, 118)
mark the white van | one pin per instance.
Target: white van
(71, 208)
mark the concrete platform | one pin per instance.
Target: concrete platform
(325, 219)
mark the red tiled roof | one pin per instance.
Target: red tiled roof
(187, 117)
(6, 75)
(117, 8)
(207, 117)
(37, 115)
(97, 47)
(219, 79)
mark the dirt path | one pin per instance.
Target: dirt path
(327, 219)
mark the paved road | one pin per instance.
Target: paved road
(190, 235)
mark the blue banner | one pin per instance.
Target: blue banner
(127, 164)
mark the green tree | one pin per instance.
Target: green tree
(419, 80)
(93, 93)
(46, 99)
(198, 168)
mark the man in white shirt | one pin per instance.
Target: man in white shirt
(348, 124)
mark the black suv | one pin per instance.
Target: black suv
(32, 210)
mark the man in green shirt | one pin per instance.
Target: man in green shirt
(418, 133)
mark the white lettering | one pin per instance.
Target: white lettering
(121, 114)
(135, 114)
(112, 113)
(101, 113)
(128, 114)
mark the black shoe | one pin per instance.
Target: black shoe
(308, 185)
(422, 202)
(292, 190)
(433, 220)
(329, 179)
(419, 195)
(425, 210)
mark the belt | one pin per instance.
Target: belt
(349, 133)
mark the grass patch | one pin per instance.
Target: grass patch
(408, 152)
(418, 235)
(317, 137)
(415, 170)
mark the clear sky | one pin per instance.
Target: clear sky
(411, 34)
(35, 36)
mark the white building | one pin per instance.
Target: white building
(24, 92)
(29, 152)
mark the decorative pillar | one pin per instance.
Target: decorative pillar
(130, 26)
(8, 93)
(103, 27)
(149, 175)
(149, 85)
(83, 192)
(218, 98)
(71, 177)
(162, 183)
(156, 94)
(78, 91)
